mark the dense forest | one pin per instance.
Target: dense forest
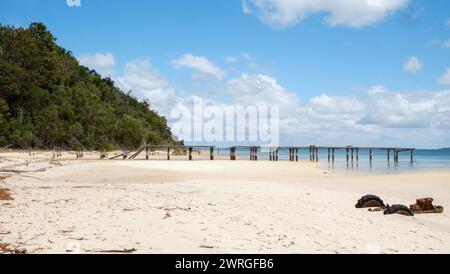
(47, 99)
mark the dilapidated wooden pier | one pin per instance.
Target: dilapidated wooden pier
(351, 154)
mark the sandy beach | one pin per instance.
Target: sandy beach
(91, 206)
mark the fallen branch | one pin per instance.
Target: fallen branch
(131, 250)
(115, 157)
(170, 209)
(22, 171)
(36, 178)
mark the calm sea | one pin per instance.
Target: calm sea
(424, 160)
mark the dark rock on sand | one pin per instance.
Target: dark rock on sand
(398, 209)
(370, 201)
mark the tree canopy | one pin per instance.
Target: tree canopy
(47, 99)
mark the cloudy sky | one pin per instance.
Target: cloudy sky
(344, 72)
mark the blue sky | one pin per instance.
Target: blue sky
(326, 54)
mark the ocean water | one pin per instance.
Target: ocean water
(424, 160)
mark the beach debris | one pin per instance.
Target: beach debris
(33, 177)
(22, 171)
(131, 209)
(398, 209)
(425, 205)
(125, 250)
(53, 161)
(169, 210)
(8, 249)
(370, 201)
(5, 194)
(207, 247)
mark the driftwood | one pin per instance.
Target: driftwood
(22, 171)
(137, 153)
(131, 250)
(115, 157)
(33, 177)
(169, 210)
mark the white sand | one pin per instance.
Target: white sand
(214, 207)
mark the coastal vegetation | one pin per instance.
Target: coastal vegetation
(47, 99)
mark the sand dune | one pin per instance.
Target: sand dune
(213, 207)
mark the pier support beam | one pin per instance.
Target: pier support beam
(293, 155)
(253, 154)
(389, 156)
(211, 153)
(333, 157)
(147, 153)
(395, 156)
(233, 154)
(370, 156)
(190, 153)
(168, 153)
(412, 156)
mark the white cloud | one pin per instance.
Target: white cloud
(348, 13)
(447, 23)
(412, 66)
(376, 117)
(262, 89)
(445, 78)
(200, 64)
(446, 44)
(231, 59)
(325, 104)
(146, 82)
(439, 42)
(103, 62)
(234, 59)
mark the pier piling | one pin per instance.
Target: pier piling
(211, 153)
(233, 154)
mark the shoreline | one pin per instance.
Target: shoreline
(229, 207)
